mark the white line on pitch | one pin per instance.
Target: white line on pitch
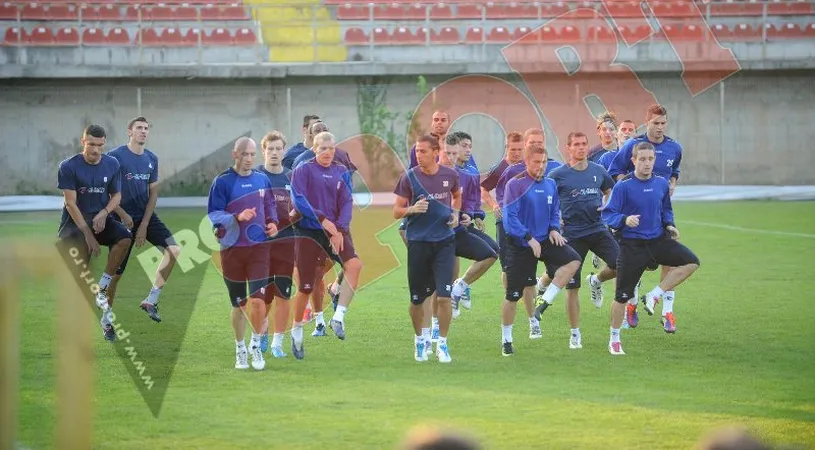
(748, 230)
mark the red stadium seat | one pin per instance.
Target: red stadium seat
(585, 11)
(356, 36)
(67, 37)
(675, 8)
(192, 37)
(439, 11)
(553, 10)
(34, 11)
(353, 12)
(118, 36)
(416, 11)
(16, 36)
(499, 35)
(746, 32)
(172, 37)
(475, 35)
(245, 37)
(390, 12)
(784, 31)
(447, 35)
(217, 37)
(94, 36)
(520, 32)
(569, 34)
(148, 37)
(469, 11)
(380, 36)
(137, 12)
(633, 35)
(172, 13)
(722, 32)
(599, 33)
(8, 11)
(521, 11)
(41, 36)
(625, 9)
(105, 13)
(809, 31)
(404, 36)
(547, 34)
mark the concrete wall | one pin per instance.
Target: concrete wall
(765, 136)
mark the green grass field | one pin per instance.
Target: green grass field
(744, 354)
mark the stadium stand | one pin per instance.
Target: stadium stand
(336, 30)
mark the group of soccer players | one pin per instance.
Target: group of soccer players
(288, 219)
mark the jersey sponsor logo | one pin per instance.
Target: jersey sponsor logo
(281, 198)
(584, 191)
(136, 176)
(246, 185)
(325, 175)
(438, 196)
(648, 190)
(540, 191)
(91, 190)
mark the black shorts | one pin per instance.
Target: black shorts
(501, 237)
(114, 232)
(484, 237)
(522, 266)
(312, 248)
(281, 267)
(618, 237)
(470, 246)
(430, 269)
(157, 234)
(637, 254)
(242, 266)
(601, 244)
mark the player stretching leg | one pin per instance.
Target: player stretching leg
(668, 159)
(429, 197)
(322, 195)
(532, 225)
(640, 207)
(139, 168)
(91, 185)
(281, 246)
(241, 207)
(581, 187)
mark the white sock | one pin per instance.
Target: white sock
(615, 335)
(506, 333)
(435, 322)
(550, 293)
(632, 300)
(240, 345)
(533, 321)
(107, 317)
(655, 292)
(152, 298)
(104, 282)
(426, 334)
(667, 302)
(576, 332)
(277, 340)
(319, 318)
(442, 341)
(339, 314)
(255, 340)
(297, 333)
(541, 286)
(418, 340)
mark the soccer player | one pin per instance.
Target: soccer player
(429, 197)
(298, 148)
(513, 155)
(532, 224)
(139, 170)
(581, 187)
(627, 128)
(241, 207)
(281, 246)
(472, 218)
(322, 196)
(640, 207)
(607, 130)
(91, 185)
(340, 155)
(668, 159)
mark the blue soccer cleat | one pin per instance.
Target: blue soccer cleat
(109, 333)
(151, 310)
(278, 352)
(264, 342)
(338, 328)
(298, 353)
(319, 330)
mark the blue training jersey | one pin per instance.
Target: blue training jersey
(437, 189)
(94, 184)
(292, 153)
(650, 199)
(321, 193)
(531, 208)
(230, 194)
(281, 187)
(581, 196)
(668, 157)
(138, 173)
(606, 159)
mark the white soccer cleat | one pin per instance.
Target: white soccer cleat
(535, 331)
(241, 359)
(428, 349)
(596, 291)
(258, 363)
(443, 353)
(596, 262)
(615, 348)
(650, 302)
(419, 351)
(102, 300)
(575, 343)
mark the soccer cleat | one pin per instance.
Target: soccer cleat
(596, 262)
(241, 358)
(338, 328)
(428, 349)
(278, 352)
(535, 331)
(539, 294)
(420, 354)
(461, 294)
(109, 333)
(507, 350)
(258, 363)
(574, 342)
(669, 323)
(319, 330)
(434, 335)
(540, 308)
(151, 310)
(102, 300)
(637, 289)
(443, 353)
(615, 348)
(650, 303)
(596, 291)
(264, 342)
(298, 353)
(632, 318)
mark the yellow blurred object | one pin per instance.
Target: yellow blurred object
(292, 31)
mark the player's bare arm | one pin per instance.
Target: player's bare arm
(401, 207)
(124, 216)
(76, 215)
(102, 216)
(141, 233)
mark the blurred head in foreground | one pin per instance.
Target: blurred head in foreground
(426, 438)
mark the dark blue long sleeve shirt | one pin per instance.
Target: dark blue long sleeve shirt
(668, 158)
(231, 194)
(531, 208)
(650, 199)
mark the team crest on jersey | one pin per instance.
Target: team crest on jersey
(105, 179)
(288, 187)
(549, 199)
(261, 192)
(150, 165)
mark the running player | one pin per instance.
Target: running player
(581, 186)
(322, 196)
(669, 157)
(429, 197)
(281, 246)
(241, 207)
(607, 131)
(139, 169)
(308, 141)
(640, 207)
(91, 185)
(532, 224)
(624, 133)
